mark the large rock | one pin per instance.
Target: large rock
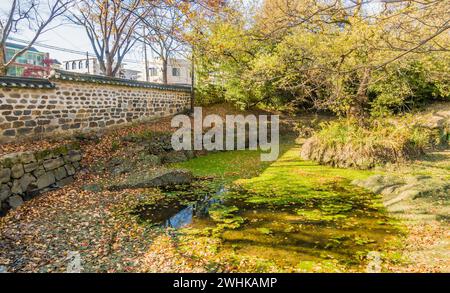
(45, 180)
(73, 156)
(92, 187)
(115, 161)
(150, 159)
(27, 157)
(30, 167)
(60, 173)
(5, 192)
(379, 183)
(65, 181)
(158, 179)
(70, 169)
(15, 201)
(39, 172)
(53, 164)
(189, 154)
(406, 194)
(17, 171)
(174, 157)
(11, 158)
(5, 175)
(16, 188)
(397, 189)
(124, 168)
(118, 166)
(76, 165)
(26, 180)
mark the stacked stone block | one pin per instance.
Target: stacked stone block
(24, 175)
(74, 106)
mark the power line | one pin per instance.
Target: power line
(71, 51)
(68, 41)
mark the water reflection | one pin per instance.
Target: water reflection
(185, 216)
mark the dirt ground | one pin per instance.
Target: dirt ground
(426, 247)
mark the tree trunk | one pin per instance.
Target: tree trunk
(3, 68)
(109, 69)
(109, 65)
(357, 109)
(164, 71)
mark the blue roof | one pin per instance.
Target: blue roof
(20, 47)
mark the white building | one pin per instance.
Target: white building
(55, 64)
(92, 66)
(178, 71)
(86, 65)
(129, 74)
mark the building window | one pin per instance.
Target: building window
(9, 54)
(15, 71)
(80, 65)
(67, 65)
(12, 71)
(176, 71)
(152, 71)
(22, 59)
(74, 65)
(39, 60)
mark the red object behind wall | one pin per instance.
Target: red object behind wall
(36, 70)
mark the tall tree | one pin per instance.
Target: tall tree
(111, 28)
(163, 28)
(328, 52)
(31, 14)
(349, 43)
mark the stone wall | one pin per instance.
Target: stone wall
(68, 103)
(23, 175)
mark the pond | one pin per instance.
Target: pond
(332, 233)
(179, 214)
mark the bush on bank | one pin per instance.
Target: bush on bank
(345, 143)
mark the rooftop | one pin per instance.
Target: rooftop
(20, 47)
(21, 82)
(25, 82)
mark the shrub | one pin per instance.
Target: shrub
(209, 94)
(407, 87)
(345, 143)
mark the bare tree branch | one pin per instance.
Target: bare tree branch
(35, 16)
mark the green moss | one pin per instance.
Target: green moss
(7, 163)
(317, 216)
(286, 216)
(265, 231)
(41, 155)
(58, 151)
(231, 165)
(62, 150)
(75, 145)
(290, 180)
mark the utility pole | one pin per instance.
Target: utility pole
(87, 62)
(145, 56)
(192, 81)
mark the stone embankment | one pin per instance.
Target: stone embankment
(24, 175)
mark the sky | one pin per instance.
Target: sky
(68, 36)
